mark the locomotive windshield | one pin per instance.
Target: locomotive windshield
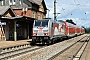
(37, 23)
(43, 23)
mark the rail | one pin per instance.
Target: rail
(64, 50)
(74, 55)
(11, 54)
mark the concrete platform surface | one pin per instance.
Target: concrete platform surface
(4, 44)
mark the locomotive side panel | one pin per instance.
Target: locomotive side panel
(51, 29)
(56, 30)
(62, 29)
(59, 29)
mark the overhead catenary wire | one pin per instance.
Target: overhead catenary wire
(81, 10)
(71, 13)
(78, 6)
(84, 12)
(64, 13)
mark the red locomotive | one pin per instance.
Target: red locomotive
(47, 31)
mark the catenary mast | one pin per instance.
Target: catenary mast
(55, 11)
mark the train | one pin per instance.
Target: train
(47, 31)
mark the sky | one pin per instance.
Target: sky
(77, 10)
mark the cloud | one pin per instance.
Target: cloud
(77, 10)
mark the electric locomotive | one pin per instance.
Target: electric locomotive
(47, 31)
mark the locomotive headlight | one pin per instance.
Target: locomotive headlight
(45, 34)
(34, 34)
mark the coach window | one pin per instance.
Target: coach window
(38, 15)
(33, 14)
(14, 2)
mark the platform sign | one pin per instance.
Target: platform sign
(2, 23)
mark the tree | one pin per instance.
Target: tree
(87, 30)
(70, 21)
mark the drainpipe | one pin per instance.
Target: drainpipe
(15, 33)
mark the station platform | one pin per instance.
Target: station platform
(86, 53)
(5, 44)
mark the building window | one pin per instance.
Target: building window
(3, 2)
(12, 2)
(21, 1)
(33, 14)
(39, 16)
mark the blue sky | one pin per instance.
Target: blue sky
(78, 10)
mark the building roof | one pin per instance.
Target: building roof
(19, 18)
(38, 2)
(4, 9)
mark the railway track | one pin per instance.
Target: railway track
(78, 53)
(72, 52)
(28, 52)
(17, 51)
(46, 52)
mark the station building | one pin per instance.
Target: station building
(17, 17)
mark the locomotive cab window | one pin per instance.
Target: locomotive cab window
(37, 23)
(43, 23)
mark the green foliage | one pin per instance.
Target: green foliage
(87, 30)
(70, 21)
